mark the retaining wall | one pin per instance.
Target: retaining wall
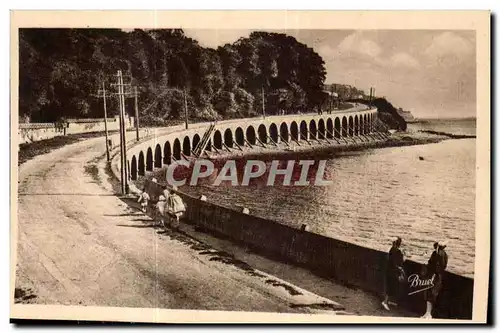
(347, 263)
(29, 132)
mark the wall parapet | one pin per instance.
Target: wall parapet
(30, 132)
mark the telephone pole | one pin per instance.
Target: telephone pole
(331, 99)
(370, 96)
(263, 103)
(185, 109)
(103, 91)
(123, 139)
(136, 114)
(122, 148)
(124, 130)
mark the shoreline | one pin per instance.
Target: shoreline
(329, 148)
(322, 148)
(317, 149)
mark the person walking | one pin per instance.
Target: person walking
(160, 210)
(394, 274)
(166, 193)
(144, 200)
(176, 208)
(436, 267)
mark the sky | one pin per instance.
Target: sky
(431, 73)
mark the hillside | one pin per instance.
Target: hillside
(61, 69)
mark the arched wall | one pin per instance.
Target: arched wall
(145, 156)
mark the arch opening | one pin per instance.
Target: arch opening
(186, 146)
(239, 136)
(196, 141)
(350, 126)
(338, 129)
(167, 153)
(251, 135)
(133, 169)
(141, 164)
(313, 132)
(177, 149)
(329, 128)
(273, 132)
(356, 126)
(321, 129)
(218, 140)
(284, 132)
(344, 126)
(303, 130)
(158, 160)
(262, 133)
(228, 138)
(294, 131)
(149, 160)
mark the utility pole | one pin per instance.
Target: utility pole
(103, 91)
(122, 148)
(136, 114)
(370, 96)
(124, 130)
(331, 99)
(263, 103)
(123, 139)
(185, 109)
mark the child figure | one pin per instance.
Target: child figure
(176, 208)
(144, 199)
(160, 210)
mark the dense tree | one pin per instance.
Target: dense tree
(60, 70)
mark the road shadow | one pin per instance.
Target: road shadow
(154, 226)
(123, 215)
(70, 194)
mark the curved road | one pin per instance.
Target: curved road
(78, 243)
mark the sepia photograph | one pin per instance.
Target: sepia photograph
(270, 167)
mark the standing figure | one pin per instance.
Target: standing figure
(176, 208)
(394, 274)
(160, 210)
(435, 270)
(144, 199)
(166, 193)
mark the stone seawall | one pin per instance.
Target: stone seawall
(347, 263)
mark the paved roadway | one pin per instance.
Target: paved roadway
(80, 244)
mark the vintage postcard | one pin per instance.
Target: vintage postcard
(250, 166)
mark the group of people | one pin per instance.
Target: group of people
(396, 276)
(168, 209)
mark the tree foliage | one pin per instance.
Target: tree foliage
(60, 71)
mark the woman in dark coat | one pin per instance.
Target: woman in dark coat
(435, 269)
(394, 272)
